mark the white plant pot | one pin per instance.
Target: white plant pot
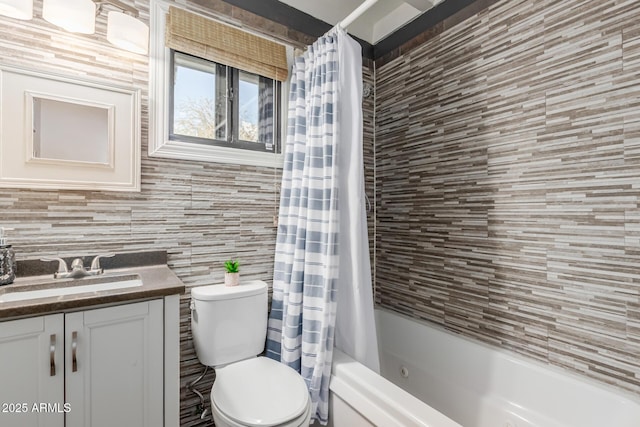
(231, 279)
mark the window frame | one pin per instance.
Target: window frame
(232, 91)
(160, 145)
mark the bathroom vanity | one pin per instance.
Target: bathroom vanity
(99, 357)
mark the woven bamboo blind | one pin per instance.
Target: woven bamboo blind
(208, 39)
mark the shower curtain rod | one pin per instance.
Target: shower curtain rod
(356, 13)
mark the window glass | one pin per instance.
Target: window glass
(248, 107)
(218, 105)
(267, 113)
(199, 93)
(256, 109)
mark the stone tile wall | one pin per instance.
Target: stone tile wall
(506, 163)
(201, 213)
(508, 182)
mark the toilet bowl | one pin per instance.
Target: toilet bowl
(229, 326)
(259, 392)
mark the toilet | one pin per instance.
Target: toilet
(229, 326)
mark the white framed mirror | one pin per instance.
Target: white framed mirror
(65, 130)
(67, 133)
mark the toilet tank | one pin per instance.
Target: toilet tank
(229, 323)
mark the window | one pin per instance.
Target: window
(219, 105)
(216, 92)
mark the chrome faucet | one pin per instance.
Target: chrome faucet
(77, 267)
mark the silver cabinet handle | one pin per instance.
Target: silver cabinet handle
(74, 349)
(52, 355)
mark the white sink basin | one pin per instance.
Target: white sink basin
(47, 292)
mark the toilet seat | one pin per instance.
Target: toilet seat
(222, 420)
(260, 392)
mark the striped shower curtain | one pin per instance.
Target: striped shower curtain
(303, 312)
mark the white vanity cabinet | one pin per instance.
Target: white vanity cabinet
(31, 370)
(113, 366)
(106, 365)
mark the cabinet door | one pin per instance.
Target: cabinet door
(32, 372)
(114, 366)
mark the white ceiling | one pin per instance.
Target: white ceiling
(382, 19)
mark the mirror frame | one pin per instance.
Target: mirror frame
(19, 168)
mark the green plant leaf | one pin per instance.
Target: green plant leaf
(232, 266)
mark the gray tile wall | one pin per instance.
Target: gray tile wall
(506, 192)
(508, 183)
(201, 213)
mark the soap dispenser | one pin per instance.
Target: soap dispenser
(7, 261)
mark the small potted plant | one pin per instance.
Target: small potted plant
(232, 274)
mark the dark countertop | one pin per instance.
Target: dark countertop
(157, 281)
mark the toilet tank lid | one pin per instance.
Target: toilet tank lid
(222, 292)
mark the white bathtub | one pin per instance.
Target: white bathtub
(480, 386)
(360, 398)
(474, 384)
